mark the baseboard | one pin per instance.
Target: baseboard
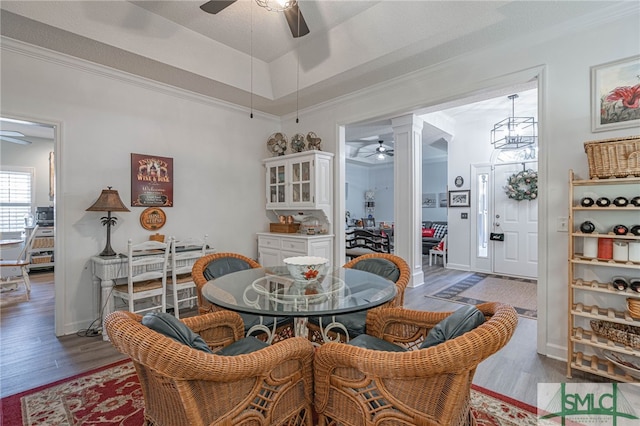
(458, 267)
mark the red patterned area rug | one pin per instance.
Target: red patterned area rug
(112, 396)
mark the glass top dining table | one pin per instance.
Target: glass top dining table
(273, 292)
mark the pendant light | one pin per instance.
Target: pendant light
(251, 57)
(514, 132)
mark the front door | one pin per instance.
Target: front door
(517, 255)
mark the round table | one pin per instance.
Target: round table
(273, 292)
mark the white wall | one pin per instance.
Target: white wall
(104, 117)
(358, 179)
(563, 58)
(381, 182)
(434, 181)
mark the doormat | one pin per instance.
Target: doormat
(112, 396)
(521, 293)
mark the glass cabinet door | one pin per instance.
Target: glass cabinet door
(276, 183)
(301, 182)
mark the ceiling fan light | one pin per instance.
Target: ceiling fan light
(277, 5)
(380, 156)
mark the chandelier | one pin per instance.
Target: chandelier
(514, 132)
(277, 5)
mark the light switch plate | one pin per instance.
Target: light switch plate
(464, 215)
(562, 225)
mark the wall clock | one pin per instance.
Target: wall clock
(459, 181)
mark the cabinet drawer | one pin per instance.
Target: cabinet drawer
(44, 232)
(270, 242)
(294, 245)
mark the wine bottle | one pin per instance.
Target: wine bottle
(619, 283)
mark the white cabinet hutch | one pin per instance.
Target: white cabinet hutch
(300, 182)
(273, 248)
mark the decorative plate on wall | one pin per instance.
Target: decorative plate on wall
(153, 218)
(277, 143)
(297, 143)
(313, 142)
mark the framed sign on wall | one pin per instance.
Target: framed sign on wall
(151, 181)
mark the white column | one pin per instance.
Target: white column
(407, 136)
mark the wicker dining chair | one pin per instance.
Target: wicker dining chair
(215, 265)
(431, 386)
(386, 265)
(184, 386)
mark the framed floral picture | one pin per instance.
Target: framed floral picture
(615, 95)
(459, 198)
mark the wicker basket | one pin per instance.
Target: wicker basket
(613, 157)
(289, 228)
(627, 335)
(633, 305)
(42, 242)
(41, 259)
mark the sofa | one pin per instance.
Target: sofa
(440, 229)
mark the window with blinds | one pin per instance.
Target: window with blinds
(16, 198)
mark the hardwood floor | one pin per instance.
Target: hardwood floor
(31, 355)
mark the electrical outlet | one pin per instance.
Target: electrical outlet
(562, 225)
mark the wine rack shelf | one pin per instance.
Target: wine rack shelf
(600, 366)
(592, 296)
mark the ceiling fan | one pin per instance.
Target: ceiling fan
(12, 136)
(381, 151)
(296, 22)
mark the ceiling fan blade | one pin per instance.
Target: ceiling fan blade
(14, 140)
(11, 133)
(215, 6)
(292, 14)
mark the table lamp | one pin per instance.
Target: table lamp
(109, 201)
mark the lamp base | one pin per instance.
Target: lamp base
(108, 252)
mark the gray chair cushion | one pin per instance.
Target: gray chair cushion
(243, 346)
(250, 320)
(370, 342)
(354, 322)
(382, 267)
(175, 329)
(224, 266)
(461, 321)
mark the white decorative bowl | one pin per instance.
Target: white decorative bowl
(306, 268)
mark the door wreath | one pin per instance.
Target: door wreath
(522, 185)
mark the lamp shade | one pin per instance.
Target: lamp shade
(109, 201)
